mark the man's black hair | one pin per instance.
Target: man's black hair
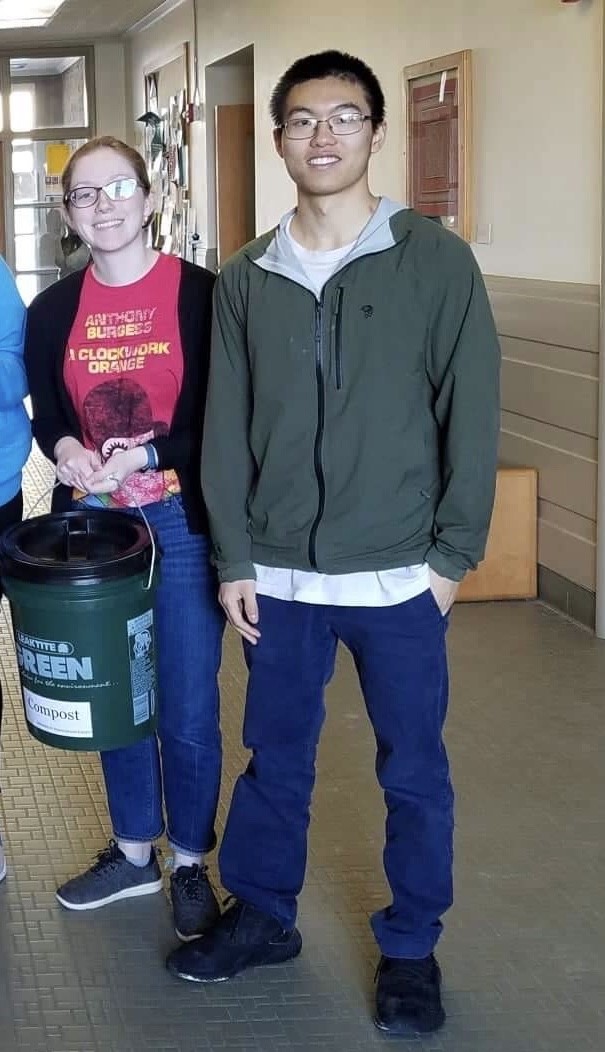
(328, 64)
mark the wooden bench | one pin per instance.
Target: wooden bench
(509, 570)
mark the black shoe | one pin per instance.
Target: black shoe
(111, 877)
(408, 996)
(242, 938)
(194, 904)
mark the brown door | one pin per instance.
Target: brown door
(434, 190)
(234, 178)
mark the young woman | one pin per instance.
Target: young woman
(15, 430)
(117, 359)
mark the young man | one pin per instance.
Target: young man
(348, 466)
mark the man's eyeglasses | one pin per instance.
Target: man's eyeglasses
(116, 190)
(339, 124)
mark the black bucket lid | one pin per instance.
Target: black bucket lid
(76, 547)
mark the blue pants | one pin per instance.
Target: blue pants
(189, 628)
(400, 656)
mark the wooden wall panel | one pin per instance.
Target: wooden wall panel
(549, 336)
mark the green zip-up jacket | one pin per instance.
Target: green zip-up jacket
(357, 431)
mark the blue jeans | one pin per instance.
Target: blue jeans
(189, 627)
(400, 656)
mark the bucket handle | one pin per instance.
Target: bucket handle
(146, 587)
(113, 478)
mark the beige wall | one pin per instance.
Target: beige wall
(537, 106)
(111, 89)
(72, 86)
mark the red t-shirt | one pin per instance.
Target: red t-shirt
(123, 369)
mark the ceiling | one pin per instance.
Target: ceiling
(84, 21)
(40, 67)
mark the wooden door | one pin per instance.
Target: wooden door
(235, 205)
(434, 114)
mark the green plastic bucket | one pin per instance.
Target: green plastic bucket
(81, 587)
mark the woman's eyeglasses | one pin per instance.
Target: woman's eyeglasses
(116, 190)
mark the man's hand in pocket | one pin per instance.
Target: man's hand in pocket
(444, 591)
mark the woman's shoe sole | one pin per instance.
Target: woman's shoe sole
(127, 893)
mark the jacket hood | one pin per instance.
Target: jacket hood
(273, 252)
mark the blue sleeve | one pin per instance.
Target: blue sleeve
(13, 381)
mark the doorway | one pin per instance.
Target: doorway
(230, 151)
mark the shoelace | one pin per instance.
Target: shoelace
(107, 858)
(191, 883)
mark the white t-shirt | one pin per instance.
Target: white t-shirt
(318, 266)
(367, 588)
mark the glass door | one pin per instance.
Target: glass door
(38, 224)
(45, 116)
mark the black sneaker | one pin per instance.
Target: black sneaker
(194, 904)
(408, 996)
(111, 877)
(242, 937)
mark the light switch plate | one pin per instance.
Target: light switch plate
(484, 234)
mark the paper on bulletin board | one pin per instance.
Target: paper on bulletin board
(57, 156)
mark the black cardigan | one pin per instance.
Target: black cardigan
(50, 318)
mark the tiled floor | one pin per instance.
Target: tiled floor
(523, 952)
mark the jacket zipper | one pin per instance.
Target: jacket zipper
(319, 434)
(338, 337)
